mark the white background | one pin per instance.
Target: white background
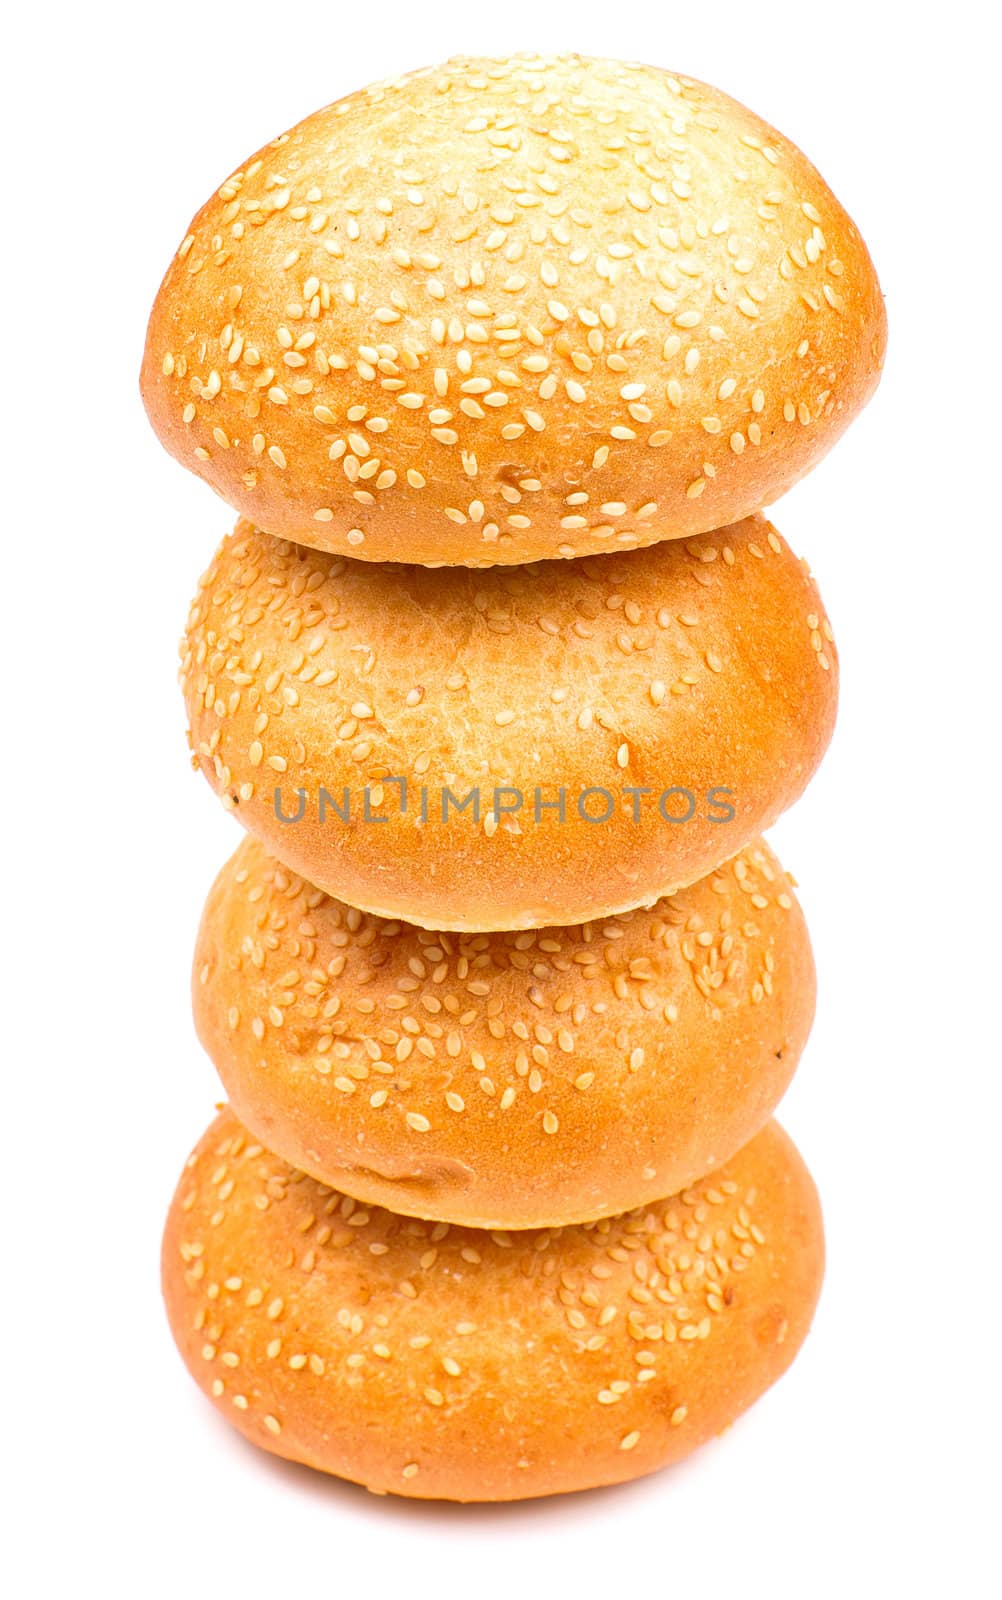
(870, 1467)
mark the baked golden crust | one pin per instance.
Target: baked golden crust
(700, 666)
(505, 1080)
(502, 310)
(442, 1362)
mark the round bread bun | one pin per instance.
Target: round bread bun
(440, 1362)
(503, 310)
(693, 681)
(505, 1080)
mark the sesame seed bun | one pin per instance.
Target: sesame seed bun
(447, 1363)
(507, 1080)
(700, 666)
(502, 310)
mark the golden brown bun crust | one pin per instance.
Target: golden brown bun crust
(705, 664)
(499, 311)
(506, 1080)
(446, 1363)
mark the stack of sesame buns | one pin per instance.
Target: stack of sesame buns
(502, 983)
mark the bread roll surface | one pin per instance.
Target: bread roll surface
(501, 310)
(693, 680)
(506, 1080)
(448, 1363)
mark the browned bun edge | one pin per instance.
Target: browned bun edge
(505, 1080)
(449, 1363)
(498, 311)
(517, 748)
